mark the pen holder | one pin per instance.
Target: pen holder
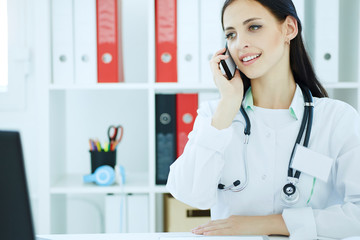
(102, 158)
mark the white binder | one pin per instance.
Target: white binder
(62, 42)
(137, 213)
(212, 37)
(188, 41)
(85, 41)
(326, 45)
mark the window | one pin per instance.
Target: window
(3, 46)
(13, 54)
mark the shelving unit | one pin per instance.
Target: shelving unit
(78, 112)
(74, 113)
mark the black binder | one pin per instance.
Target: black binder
(165, 121)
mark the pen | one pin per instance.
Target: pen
(98, 145)
(93, 148)
(106, 147)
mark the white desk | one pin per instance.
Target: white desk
(129, 236)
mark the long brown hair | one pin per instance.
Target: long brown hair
(300, 63)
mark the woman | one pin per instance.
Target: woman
(254, 188)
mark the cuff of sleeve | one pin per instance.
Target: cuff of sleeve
(300, 223)
(210, 137)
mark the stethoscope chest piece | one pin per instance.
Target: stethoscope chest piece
(290, 194)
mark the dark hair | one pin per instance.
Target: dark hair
(300, 63)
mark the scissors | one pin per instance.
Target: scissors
(113, 132)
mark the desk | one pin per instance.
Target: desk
(126, 236)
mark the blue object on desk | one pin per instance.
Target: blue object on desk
(103, 176)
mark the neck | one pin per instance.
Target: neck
(275, 92)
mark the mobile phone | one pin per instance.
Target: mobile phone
(228, 65)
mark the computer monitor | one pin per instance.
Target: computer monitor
(15, 214)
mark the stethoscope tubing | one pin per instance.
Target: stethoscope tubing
(306, 121)
(243, 186)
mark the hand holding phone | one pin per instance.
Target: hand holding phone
(228, 66)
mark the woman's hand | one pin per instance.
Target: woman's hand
(232, 89)
(244, 225)
(231, 93)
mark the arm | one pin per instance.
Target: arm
(194, 176)
(245, 225)
(225, 113)
(343, 220)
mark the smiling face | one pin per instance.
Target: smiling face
(255, 38)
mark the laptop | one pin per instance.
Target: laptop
(15, 213)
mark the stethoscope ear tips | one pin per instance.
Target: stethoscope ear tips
(237, 183)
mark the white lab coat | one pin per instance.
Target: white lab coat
(212, 154)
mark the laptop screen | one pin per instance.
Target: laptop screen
(15, 213)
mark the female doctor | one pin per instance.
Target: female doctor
(291, 168)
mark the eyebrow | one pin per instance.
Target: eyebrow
(245, 22)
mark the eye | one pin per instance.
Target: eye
(230, 36)
(254, 27)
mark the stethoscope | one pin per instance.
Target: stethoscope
(290, 193)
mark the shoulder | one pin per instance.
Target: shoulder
(334, 107)
(340, 118)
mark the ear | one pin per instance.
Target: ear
(290, 28)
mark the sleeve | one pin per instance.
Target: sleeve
(339, 220)
(194, 176)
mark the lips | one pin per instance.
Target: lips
(249, 58)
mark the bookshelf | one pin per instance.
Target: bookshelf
(72, 113)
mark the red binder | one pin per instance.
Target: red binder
(120, 48)
(186, 107)
(165, 35)
(107, 41)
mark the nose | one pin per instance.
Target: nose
(241, 43)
